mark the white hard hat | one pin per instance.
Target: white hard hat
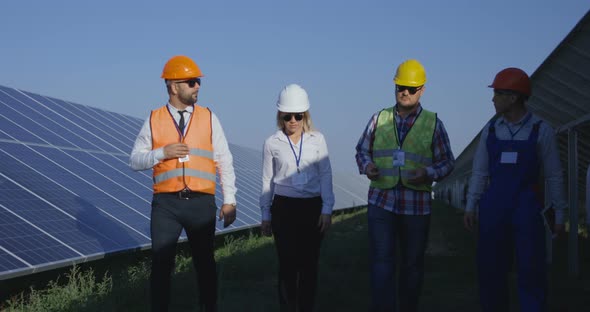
(293, 99)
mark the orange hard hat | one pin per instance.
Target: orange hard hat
(514, 79)
(181, 67)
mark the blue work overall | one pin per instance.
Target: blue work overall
(510, 219)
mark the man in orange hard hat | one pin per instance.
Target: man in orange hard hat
(514, 148)
(403, 149)
(185, 146)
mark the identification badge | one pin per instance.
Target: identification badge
(508, 157)
(299, 178)
(183, 159)
(399, 158)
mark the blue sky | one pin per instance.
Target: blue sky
(110, 54)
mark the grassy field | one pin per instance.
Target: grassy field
(247, 275)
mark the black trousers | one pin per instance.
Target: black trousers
(297, 239)
(169, 216)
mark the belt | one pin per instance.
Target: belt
(185, 194)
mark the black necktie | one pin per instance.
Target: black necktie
(181, 122)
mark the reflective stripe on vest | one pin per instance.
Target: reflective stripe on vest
(198, 174)
(417, 148)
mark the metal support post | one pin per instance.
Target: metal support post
(572, 154)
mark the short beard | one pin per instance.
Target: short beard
(188, 100)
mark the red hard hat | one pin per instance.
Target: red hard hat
(514, 79)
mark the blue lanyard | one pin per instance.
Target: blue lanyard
(526, 119)
(180, 134)
(297, 159)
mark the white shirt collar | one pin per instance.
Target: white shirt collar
(280, 135)
(503, 120)
(174, 110)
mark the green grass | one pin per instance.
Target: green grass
(247, 265)
(81, 290)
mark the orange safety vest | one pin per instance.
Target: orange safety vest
(198, 173)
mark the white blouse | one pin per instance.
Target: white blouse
(280, 175)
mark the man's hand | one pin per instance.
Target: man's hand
(469, 220)
(419, 176)
(227, 213)
(372, 172)
(324, 222)
(266, 228)
(176, 150)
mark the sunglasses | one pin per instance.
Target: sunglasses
(503, 92)
(288, 117)
(191, 82)
(411, 90)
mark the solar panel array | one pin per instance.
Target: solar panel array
(67, 194)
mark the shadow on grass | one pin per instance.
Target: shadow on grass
(451, 272)
(247, 269)
(248, 273)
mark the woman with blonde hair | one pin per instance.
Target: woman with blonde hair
(297, 198)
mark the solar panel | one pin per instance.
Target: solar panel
(67, 194)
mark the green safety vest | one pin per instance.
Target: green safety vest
(417, 147)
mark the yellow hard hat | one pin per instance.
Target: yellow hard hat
(181, 67)
(410, 73)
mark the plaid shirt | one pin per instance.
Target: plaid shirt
(402, 200)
